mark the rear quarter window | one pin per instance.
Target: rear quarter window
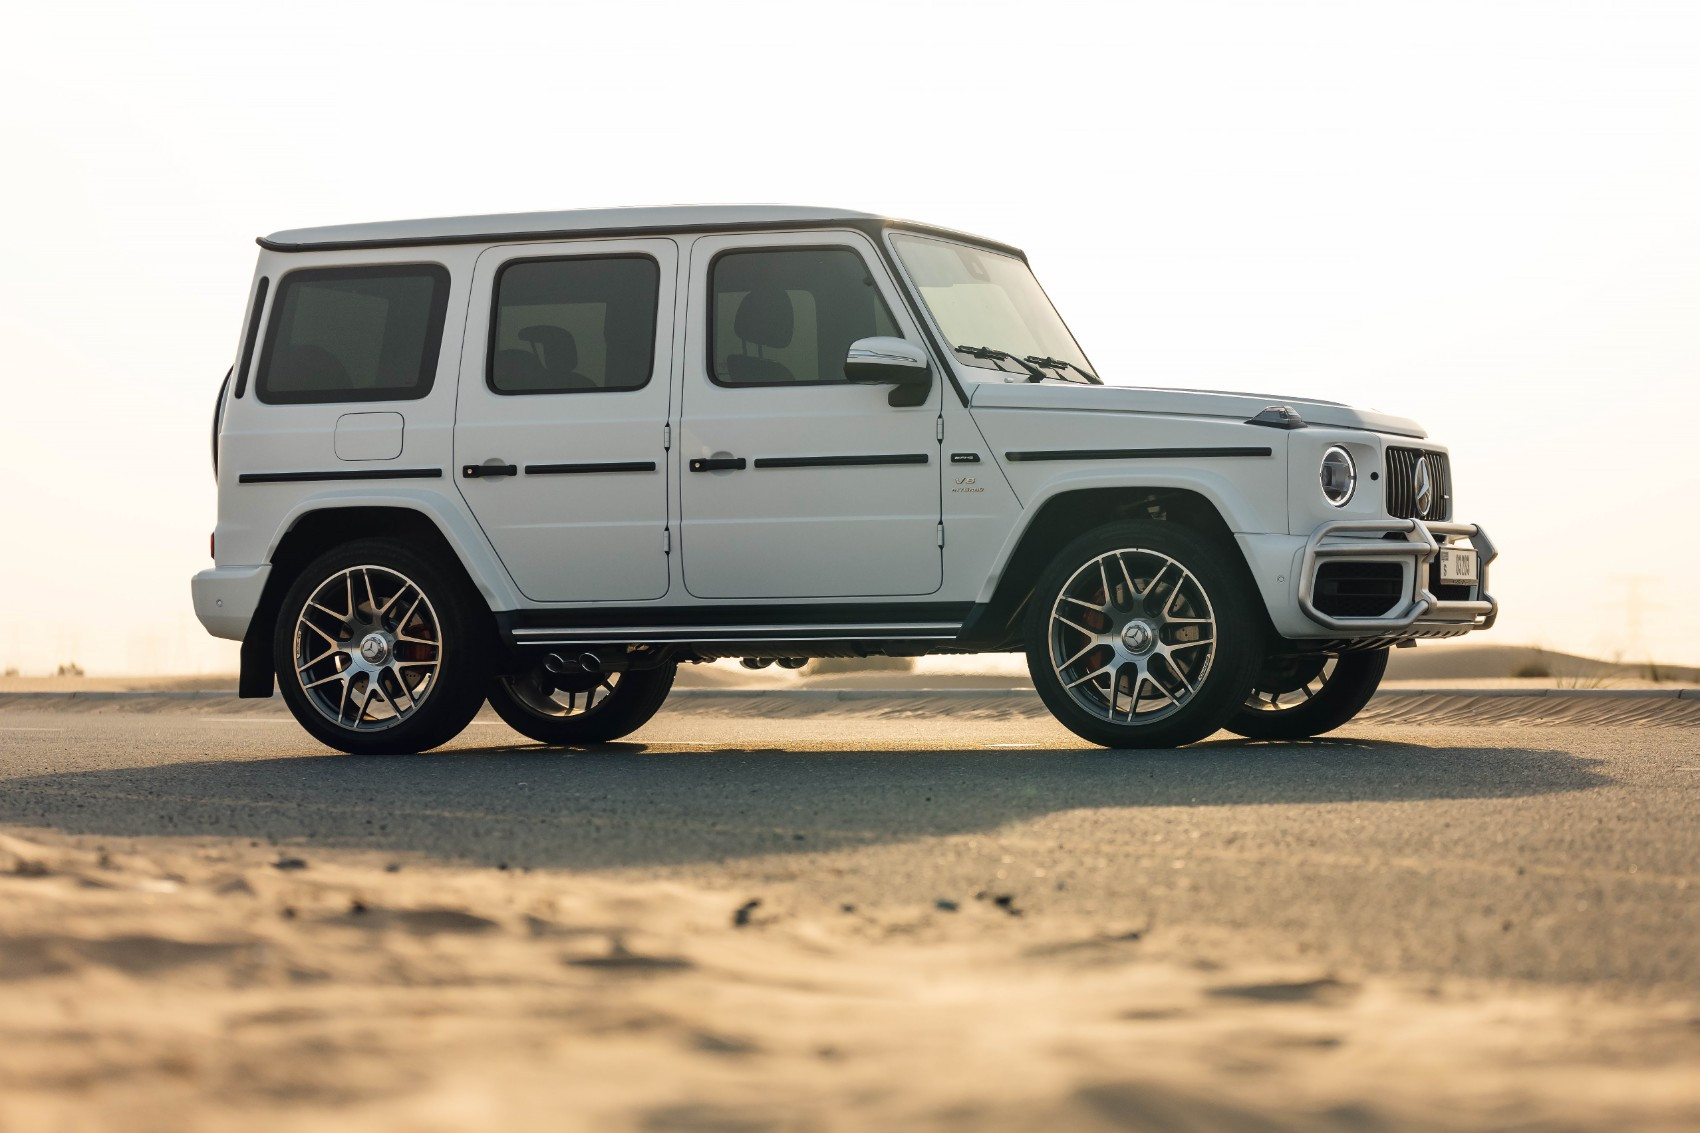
(354, 334)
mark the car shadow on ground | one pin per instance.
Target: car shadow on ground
(631, 804)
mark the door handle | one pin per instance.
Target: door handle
(717, 463)
(474, 471)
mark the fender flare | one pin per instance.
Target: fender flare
(1217, 490)
(463, 538)
(457, 527)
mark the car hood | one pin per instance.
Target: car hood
(1182, 402)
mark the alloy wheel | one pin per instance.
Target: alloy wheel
(368, 648)
(1132, 636)
(1287, 687)
(562, 696)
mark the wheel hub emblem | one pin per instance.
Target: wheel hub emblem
(374, 650)
(1138, 637)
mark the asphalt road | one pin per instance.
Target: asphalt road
(1561, 854)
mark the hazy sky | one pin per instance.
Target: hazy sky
(1483, 215)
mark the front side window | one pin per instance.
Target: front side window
(354, 334)
(788, 316)
(984, 299)
(574, 325)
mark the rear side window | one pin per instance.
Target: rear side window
(784, 317)
(578, 325)
(354, 334)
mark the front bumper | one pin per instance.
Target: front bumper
(226, 597)
(1420, 613)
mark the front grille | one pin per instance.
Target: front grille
(1359, 590)
(1402, 484)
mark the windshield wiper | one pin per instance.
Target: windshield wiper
(1034, 374)
(1059, 364)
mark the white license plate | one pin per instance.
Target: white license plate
(1458, 567)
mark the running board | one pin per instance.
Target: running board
(724, 634)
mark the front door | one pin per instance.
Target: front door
(559, 448)
(795, 483)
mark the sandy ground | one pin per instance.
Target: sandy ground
(876, 917)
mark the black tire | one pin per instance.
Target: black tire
(434, 670)
(1338, 687)
(527, 702)
(1193, 696)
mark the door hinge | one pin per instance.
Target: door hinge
(667, 436)
(941, 534)
(666, 540)
(938, 433)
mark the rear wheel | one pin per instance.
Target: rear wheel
(576, 709)
(1303, 695)
(378, 649)
(1141, 635)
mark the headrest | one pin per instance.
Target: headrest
(305, 368)
(764, 318)
(560, 348)
(518, 369)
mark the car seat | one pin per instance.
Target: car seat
(763, 319)
(557, 350)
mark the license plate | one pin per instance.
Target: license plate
(1458, 567)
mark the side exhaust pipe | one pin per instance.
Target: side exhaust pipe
(565, 666)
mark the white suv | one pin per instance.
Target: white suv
(544, 459)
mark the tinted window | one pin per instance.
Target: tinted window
(568, 326)
(985, 298)
(785, 316)
(354, 334)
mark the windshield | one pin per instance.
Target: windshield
(987, 300)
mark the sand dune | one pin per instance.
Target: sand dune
(168, 985)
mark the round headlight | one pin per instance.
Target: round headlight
(1339, 476)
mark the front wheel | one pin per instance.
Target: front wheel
(576, 709)
(1296, 697)
(1141, 634)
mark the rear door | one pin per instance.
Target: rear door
(795, 483)
(564, 390)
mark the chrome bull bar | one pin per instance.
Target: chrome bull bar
(1421, 607)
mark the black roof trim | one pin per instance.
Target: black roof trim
(540, 235)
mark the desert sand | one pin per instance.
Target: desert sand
(210, 982)
(170, 985)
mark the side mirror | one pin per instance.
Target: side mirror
(891, 362)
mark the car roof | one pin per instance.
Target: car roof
(585, 222)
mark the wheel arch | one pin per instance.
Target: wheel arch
(313, 530)
(995, 623)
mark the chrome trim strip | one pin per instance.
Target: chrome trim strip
(759, 639)
(775, 632)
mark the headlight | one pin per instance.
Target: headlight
(1339, 476)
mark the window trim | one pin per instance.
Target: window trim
(495, 322)
(252, 334)
(430, 357)
(709, 307)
